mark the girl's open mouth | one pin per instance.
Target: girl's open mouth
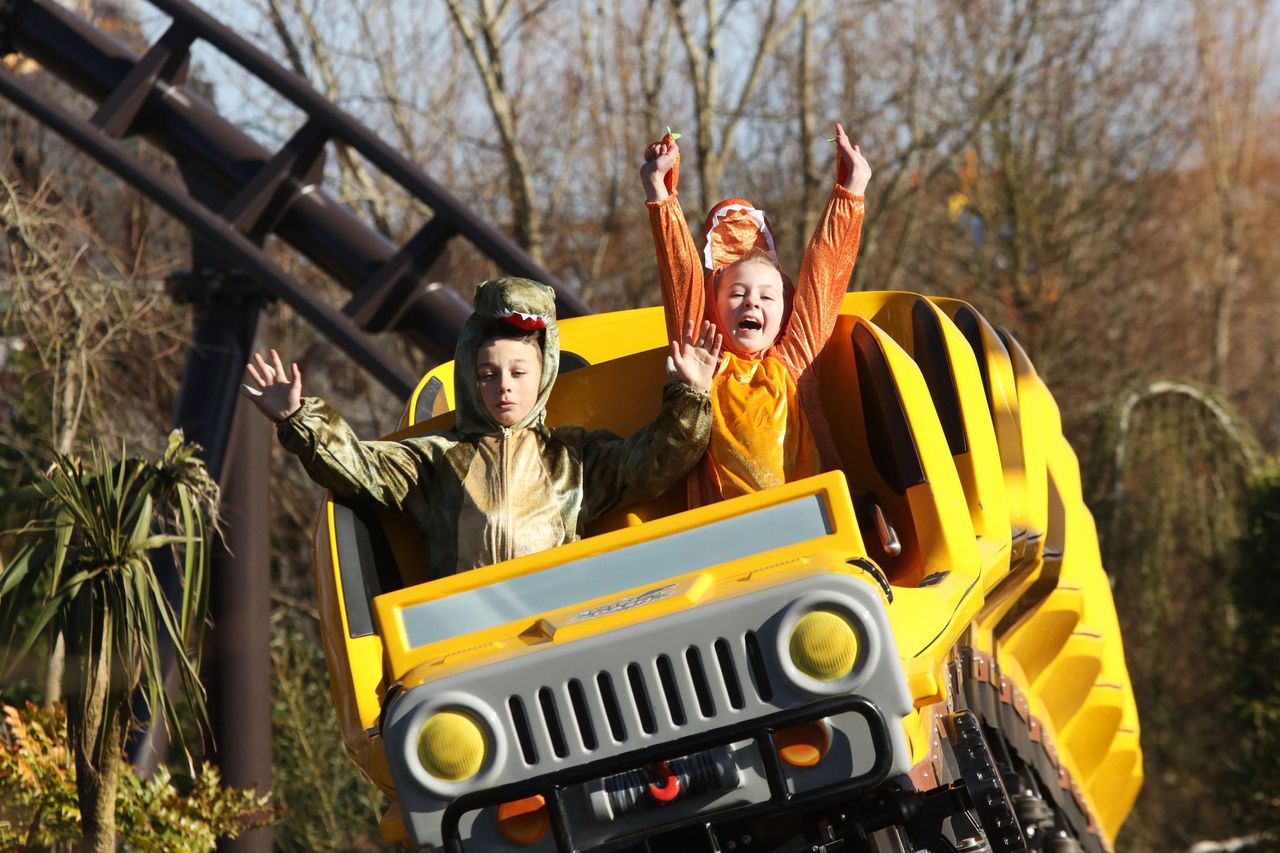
(751, 324)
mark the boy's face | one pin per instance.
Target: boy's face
(509, 373)
(749, 301)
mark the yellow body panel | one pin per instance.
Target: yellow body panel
(354, 663)
(997, 375)
(597, 339)
(415, 665)
(1055, 621)
(999, 553)
(978, 464)
(1040, 431)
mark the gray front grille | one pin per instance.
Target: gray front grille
(656, 697)
(558, 706)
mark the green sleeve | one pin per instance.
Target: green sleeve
(619, 472)
(385, 471)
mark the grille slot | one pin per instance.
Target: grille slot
(612, 711)
(551, 717)
(701, 687)
(578, 699)
(669, 690)
(640, 694)
(520, 722)
(729, 672)
(755, 663)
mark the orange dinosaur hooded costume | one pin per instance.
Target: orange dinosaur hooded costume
(768, 426)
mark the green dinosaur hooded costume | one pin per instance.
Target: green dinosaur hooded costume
(482, 493)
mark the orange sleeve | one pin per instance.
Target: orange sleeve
(679, 266)
(824, 278)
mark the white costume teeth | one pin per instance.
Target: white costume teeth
(522, 320)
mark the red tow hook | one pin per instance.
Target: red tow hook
(670, 787)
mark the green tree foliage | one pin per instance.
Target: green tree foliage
(1174, 469)
(1257, 647)
(325, 803)
(84, 568)
(38, 795)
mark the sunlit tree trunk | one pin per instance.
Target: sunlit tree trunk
(54, 668)
(1230, 53)
(811, 178)
(479, 32)
(717, 123)
(96, 725)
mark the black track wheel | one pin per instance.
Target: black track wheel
(982, 779)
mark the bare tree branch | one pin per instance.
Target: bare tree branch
(479, 32)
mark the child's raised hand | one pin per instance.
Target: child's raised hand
(852, 170)
(276, 393)
(695, 362)
(662, 155)
(660, 158)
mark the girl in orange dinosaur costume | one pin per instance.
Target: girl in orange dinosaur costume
(768, 427)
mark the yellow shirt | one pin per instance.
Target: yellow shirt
(759, 435)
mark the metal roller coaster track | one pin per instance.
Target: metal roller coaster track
(233, 195)
(247, 193)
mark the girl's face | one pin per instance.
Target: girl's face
(509, 373)
(749, 302)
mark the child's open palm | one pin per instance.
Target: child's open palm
(276, 394)
(695, 362)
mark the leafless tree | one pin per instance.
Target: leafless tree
(716, 123)
(81, 321)
(1231, 50)
(480, 25)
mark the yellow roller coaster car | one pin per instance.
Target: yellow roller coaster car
(919, 651)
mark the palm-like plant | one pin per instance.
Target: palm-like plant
(84, 568)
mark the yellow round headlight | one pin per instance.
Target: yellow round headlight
(824, 645)
(451, 746)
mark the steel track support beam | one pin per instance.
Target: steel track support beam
(230, 244)
(228, 308)
(237, 670)
(166, 61)
(180, 123)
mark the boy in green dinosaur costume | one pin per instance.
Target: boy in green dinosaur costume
(501, 483)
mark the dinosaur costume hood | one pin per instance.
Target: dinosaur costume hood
(734, 228)
(521, 305)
